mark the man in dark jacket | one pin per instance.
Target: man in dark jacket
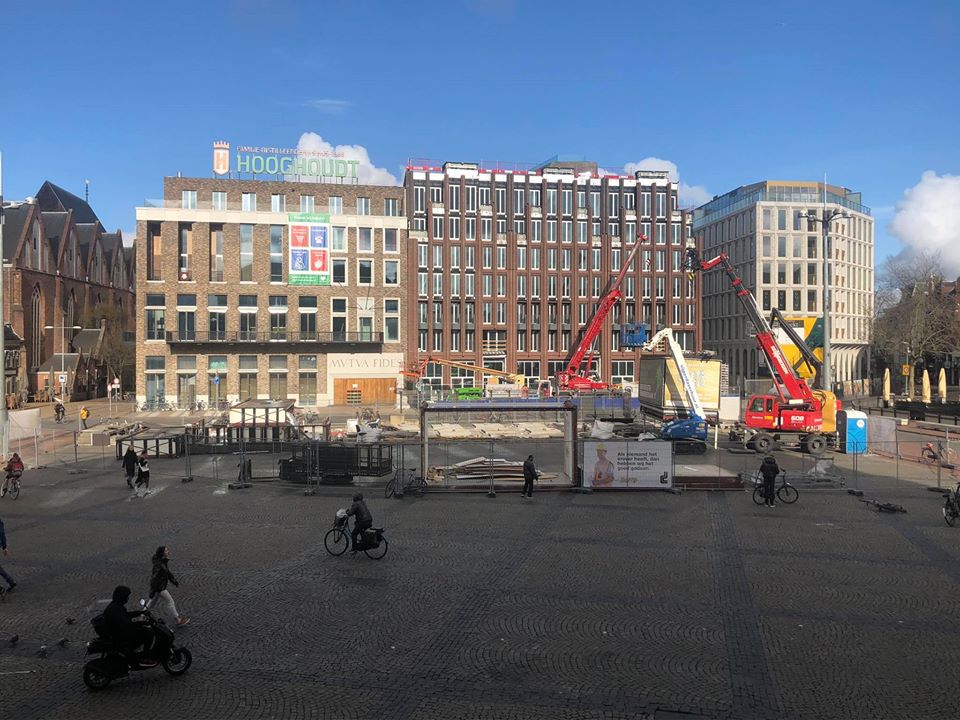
(769, 470)
(118, 624)
(130, 465)
(363, 518)
(529, 475)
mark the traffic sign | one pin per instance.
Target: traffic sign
(905, 370)
(216, 379)
(62, 377)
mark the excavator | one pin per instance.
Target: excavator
(573, 377)
(688, 433)
(796, 417)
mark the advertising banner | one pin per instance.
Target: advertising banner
(309, 260)
(627, 464)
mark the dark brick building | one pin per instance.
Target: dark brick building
(507, 266)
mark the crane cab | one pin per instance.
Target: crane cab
(768, 412)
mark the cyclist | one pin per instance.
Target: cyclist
(59, 411)
(769, 470)
(14, 469)
(363, 519)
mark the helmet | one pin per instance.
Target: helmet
(358, 497)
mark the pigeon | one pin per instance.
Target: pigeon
(42, 652)
(63, 642)
(15, 639)
(70, 621)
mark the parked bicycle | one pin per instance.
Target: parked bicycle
(951, 505)
(337, 539)
(786, 493)
(398, 484)
(11, 485)
(936, 455)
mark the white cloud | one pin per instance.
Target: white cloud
(690, 195)
(330, 107)
(367, 172)
(928, 219)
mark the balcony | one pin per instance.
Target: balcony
(314, 340)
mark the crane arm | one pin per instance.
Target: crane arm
(677, 352)
(789, 385)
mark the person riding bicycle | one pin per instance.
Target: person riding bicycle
(59, 411)
(769, 470)
(362, 516)
(13, 469)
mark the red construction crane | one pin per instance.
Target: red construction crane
(795, 416)
(572, 377)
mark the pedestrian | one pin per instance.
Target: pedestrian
(769, 470)
(84, 415)
(160, 576)
(529, 475)
(143, 475)
(129, 465)
(3, 547)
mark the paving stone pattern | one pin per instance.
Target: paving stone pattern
(601, 606)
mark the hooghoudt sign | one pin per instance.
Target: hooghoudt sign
(637, 464)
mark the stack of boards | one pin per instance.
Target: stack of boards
(479, 470)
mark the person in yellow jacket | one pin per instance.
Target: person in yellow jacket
(84, 414)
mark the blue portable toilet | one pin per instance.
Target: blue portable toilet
(852, 425)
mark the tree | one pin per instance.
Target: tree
(119, 356)
(916, 311)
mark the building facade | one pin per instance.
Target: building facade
(256, 289)
(779, 255)
(508, 266)
(61, 270)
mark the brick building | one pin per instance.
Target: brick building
(223, 316)
(60, 264)
(507, 266)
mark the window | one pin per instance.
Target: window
(155, 309)
(455, 228)
(782, 273)
(186, 322)
(581, 231)
(364, 272)
(308, 317)
(391, 320)
(796, 300)
(278, 317)
(276, 253)
(645, 204)
(216, 253)
(278, 203)
(339, 266)
(767, 219)
(471, 198)
(567, 202)
(551, 231)
(438, 226)
(629, 200)
(766, 299)
(676, 235)
(781, 219)
(391, 207)
(453, 191)
(307, 203)
(248, 202)
(595, 203)
(766, 273)
(782, 299)
(246, 253)
(338, 318)
(470, 228)
(338, 242)
(661, 205)
(535, 230)
(661, 234)
(308, 379)
(364, 239)
(812, 247)
(278, 377)
(390, 240)
(518, 200)
(781, 246)
(613, 204)
(185, 246)
(811, 300)
(436, 194)
(219, 200)
(551, 201)
(188, 199)
(767, 246)
(391, 272)
(335, 205)
(363, 206)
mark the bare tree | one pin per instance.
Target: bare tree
(118, 355)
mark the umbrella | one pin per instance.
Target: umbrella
(925, 380)
(886, 385)
(942, 386)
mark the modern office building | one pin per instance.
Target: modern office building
(271, 290)
(61, 271)
(779, 255)
(507, 266)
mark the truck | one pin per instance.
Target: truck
(796, 417)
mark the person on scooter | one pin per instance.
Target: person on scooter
(363, 519)
(120, 627)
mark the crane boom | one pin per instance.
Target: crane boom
(418, 368)
(677, 352)
(571, 377)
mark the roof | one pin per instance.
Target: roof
(54, 225)
(15, 218)
(55, 198)
(54, 363)
(87, 234)
(10, 337)
(110, 242)
(88, 340)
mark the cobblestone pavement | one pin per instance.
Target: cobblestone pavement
(570, 606)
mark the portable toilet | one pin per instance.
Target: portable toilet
(852, 426)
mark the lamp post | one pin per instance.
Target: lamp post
(825, 220)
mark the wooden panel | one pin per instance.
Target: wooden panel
(372, 390)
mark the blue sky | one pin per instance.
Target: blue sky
(125, 93)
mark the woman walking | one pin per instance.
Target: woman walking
(159, 579)
(143, 475)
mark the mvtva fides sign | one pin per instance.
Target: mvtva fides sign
(282, 161)
(309, 249)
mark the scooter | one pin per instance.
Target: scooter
(117, 660)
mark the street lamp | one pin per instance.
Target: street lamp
(825, 220)
(63, 342)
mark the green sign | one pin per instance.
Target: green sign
(308, 217)
(323, 167)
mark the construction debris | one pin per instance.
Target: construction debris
(481, 470)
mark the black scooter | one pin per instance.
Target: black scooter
(117, 660)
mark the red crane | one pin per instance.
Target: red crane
(794, 417)
(572, 377)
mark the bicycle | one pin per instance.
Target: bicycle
(951, 505)
(337, 539)
(397, 485)
(786, 492)
(935, 457)
(11, 485)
